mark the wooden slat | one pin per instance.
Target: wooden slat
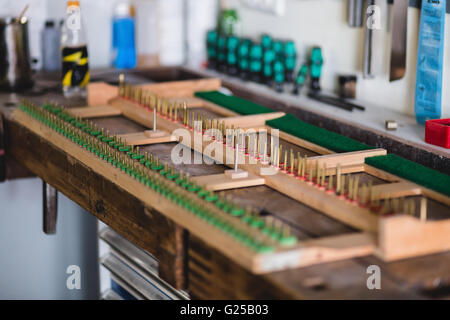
(393, 178)
(345, 159)
(99, 93)
(396, 190)
(217, 182)
(141, 138)
(191, 102)
(251, 121)
(405, 236)
(185, 88)
(94, 112)
(301, 142)
(321, 250)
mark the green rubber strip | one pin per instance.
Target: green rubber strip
(233, 103)
(322, 137)
(412, 171)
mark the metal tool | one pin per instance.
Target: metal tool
(15, 69)
(2, 152)
(355, 10)
(368, 46)
(335, 101)
(375, 23)
(399, 42)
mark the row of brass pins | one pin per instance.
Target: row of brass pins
(172, 111)
(278, 225)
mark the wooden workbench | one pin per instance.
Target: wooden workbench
(188, 263)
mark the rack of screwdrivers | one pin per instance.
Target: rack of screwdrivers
(267, 61)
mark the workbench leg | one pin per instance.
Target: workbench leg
(50, 208)
(2, 151)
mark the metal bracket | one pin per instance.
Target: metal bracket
(2, 151)
(50, 208)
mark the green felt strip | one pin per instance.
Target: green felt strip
(288, 123)
(401, 167)
(412, 171)
(233, 103)
(314, 134)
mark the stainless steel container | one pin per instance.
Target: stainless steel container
(15, 69)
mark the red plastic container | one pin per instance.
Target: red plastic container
(437, 132)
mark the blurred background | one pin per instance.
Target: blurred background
(173, 32)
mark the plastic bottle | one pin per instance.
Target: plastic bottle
(51, 47)
(75, 67)
(124, 49)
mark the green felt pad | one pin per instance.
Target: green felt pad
(233, 103)
(412, 171)
(322, 137)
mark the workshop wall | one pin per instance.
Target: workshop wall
(323, 22)
(308, 22)
(33, 265)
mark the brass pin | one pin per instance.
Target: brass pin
(265, 152)
(423, 209)
(396, 205)
(311, 172)
(330, 182)
(185, 114)
(299, 164)
(338, 178)
(291, 161)
(350, 188)
(342, 186)
(412, 207)
(305, 161)
(355, 189)
(324, 171)
(121, 84)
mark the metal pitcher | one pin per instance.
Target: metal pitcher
(15, 69)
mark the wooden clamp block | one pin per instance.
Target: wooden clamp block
(268, 171)
(146, 137)
(396, 190)
(236, 174)
(224, 181)
(156, 134)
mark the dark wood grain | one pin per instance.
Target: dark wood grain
(213, 276)
(50, 208)
(114, 206)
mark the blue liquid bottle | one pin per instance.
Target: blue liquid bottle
(124, 48)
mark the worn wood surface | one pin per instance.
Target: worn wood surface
(103, 198)
(210, 274)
